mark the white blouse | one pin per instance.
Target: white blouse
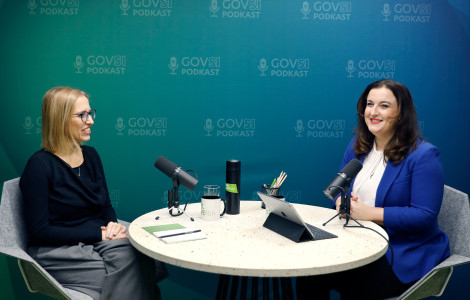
(368, 179)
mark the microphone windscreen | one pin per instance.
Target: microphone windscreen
(166, 166)
(352, 168)
(334, 188)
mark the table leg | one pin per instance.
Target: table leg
(265, 288)
(243, 288)
(276, 288)
(233, 290)
(286, 287)
(254, 288)
(222, 288)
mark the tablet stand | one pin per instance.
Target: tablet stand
(287, 228)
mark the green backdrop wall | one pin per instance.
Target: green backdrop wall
(271, 83)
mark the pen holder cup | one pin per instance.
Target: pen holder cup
(269, 191)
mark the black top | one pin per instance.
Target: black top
(61, 207)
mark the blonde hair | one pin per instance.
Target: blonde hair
(57, 111)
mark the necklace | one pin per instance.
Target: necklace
(72, 159)
(77, 170)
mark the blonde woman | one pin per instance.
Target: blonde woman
(73, 229)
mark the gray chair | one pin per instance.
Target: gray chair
(13, 242)
(454, 220)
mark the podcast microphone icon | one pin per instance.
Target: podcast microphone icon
(262, 66)
(173, 65)
(125, 7)
(214, 8)
(299, 128)
(386, 12)
(32, 5)
(350, 68)
(305, 10)
(208, 127)
(78, 64)
(28, 125)
(120, 125)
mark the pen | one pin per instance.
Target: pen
(272, 184)
(181, 233)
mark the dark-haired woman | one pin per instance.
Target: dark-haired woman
(400, 187)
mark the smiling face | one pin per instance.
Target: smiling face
(381, 114)
(81, 130)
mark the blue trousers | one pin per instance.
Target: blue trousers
(370, 282)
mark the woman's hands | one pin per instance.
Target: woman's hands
(360, 211)
(113, 231)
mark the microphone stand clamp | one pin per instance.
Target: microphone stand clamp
(173, 200)
(344, 207)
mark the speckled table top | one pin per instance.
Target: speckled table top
(240, 245)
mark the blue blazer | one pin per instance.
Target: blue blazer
(411, 195)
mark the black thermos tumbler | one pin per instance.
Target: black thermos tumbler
(232, 187)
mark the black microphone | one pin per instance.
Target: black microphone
(343, 179)
(176, 172)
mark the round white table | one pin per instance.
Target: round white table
(239, 244)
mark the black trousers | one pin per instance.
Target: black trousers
(373, 281)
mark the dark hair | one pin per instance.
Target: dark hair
(406, 135)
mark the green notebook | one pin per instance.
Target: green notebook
(175, 233)
(156, 228)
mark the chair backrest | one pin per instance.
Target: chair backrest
(454, 220)
(12, 231)
(13, 242)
